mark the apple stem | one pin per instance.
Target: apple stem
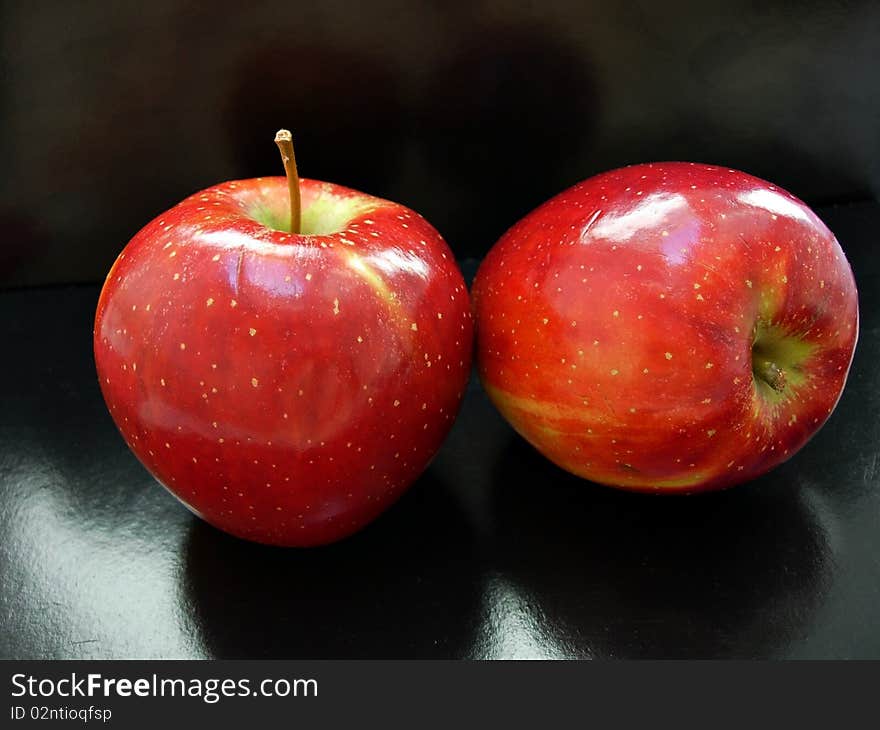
(284, 140)
(770, 373)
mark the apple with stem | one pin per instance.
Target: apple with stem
(667, 327)
(285, 356)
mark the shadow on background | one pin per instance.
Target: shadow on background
(504, 125)
(732, 574)
(405, 587)
(345, 109)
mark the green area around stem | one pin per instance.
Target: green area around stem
(325, 214)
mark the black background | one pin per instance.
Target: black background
(471, 113)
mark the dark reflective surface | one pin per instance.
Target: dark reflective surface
(732, 574)
(495, 553)
(407, 586)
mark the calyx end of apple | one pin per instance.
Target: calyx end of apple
(769, 372)
(777, 357)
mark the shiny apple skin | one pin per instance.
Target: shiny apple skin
(287, 389)
(615, 326)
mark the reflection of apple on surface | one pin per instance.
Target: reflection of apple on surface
(287, 387)
(670, 327)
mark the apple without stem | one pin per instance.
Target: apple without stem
(671, 327)
(286, 387)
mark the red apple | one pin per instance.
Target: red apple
(286, 387)
(671, 327)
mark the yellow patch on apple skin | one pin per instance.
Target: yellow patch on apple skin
(369, 275)
(678, 483)
(547, 437)
(509, 404)
(374, 280)
(631, 479)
